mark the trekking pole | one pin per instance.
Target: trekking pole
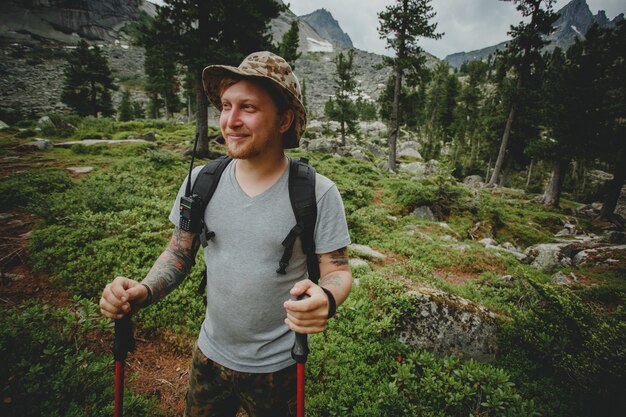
(300, 352)
(124, 343)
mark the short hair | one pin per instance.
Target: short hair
(274, 91)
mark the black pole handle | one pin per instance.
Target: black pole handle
(124, 340)
(300, 349)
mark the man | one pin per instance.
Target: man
(243, 356)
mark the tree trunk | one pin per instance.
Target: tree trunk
(94, 103)
(507, 171)
(395, 119)
(552, 194)
(188, 109)
(488, 168)
(201, 99)
(201, 116)
(615, 187)
(530, 172)
(503, 146)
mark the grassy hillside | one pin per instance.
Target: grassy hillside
(562, 349)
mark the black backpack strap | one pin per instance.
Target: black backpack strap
(205, 185)
(304, 205)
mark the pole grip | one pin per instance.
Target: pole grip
(300, 349)
(124, 340)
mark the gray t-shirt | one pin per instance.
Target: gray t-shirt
(244, 327)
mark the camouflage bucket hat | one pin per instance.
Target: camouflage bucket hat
(263, 65)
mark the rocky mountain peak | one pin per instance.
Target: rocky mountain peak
(328, 28)
(574, 20)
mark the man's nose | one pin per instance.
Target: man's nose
(234, 118)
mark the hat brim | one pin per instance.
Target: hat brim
(214, 74)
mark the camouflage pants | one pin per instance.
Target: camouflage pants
(216, 391)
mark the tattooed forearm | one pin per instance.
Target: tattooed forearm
(173, 265)
(334, 279)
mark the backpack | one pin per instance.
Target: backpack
(303, 202)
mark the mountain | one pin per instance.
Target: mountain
(310, 39)
(67, 21)
(574, 20)
(36, 35)
(325, 24)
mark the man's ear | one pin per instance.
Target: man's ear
(286, 119)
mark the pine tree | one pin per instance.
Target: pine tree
(88, 82)
(343, 108)
(216, 32)
(523, 55)
(288, 48)
(125, 109)
(401, 25)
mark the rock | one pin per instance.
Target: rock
(519, 255)
(359, 154)
(377, 151)
(79, 170)
(510, 246)
(448, 238)
(549, 256)
(508, 280)
(474, 181)
(150, 137)
(449, 325)
(366, 252)
(44, 122)
(3, 125)
(461, 247)
(36, 145)
(424, 213)
(488, 242)
(408, 149)
(561, 279)
(358, 263)
(321, 145)
(89, 142)
(606, 256)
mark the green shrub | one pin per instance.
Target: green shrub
(31, 190)
(47, 368)
(562, 342)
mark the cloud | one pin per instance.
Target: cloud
(467, 24)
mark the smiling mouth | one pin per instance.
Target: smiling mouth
(237, 136)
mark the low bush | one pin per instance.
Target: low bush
(48, 368)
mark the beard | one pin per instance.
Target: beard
(249, 148)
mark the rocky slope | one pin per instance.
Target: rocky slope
(574, 20)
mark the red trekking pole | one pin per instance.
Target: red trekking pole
(124, 343)
(299, 353)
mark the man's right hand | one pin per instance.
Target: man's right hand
(121, 297)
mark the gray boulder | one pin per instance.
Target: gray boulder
(364, 251)
(424, 213)
(321, 145)
(358, 263)
(409, 150)
(44, 122)
(605, 256)
(36, 145)
(446, 324)
(474, 181)
(549, 256)
(561, 279)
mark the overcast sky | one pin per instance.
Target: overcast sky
(467, 24)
